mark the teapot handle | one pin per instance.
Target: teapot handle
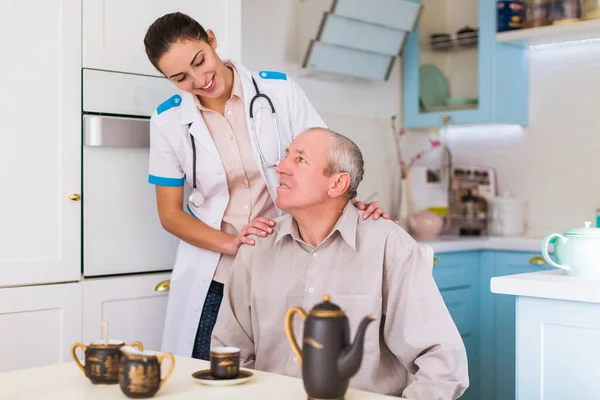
(289, 331)
(545, 243)
(447, 223)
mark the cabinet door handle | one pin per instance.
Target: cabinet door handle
(537, 260)
(164, 286)
(435, 260)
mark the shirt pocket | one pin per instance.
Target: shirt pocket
(271, 325)
(357, 307)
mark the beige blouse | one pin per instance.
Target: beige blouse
(248, 194)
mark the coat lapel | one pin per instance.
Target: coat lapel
(192, 117)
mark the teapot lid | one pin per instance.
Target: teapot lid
(327, 309)
(585, 231)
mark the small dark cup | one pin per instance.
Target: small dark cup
(139, 373)
(101, 360)
(225, 362)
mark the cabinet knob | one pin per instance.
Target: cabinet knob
(435, 260)
(75, 197)
(164, 286)
(537, 260)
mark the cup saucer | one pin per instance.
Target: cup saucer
(204, 377)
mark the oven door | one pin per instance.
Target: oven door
(122, 233)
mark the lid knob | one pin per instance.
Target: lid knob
(587, 224)
(326, 298)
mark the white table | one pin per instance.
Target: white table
(65, 381)
(558, 334)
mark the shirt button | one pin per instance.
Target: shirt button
(310, 290)
(237, 164)
(244, 184)
(315, 255)
(295, 359)
(230, 137)
(229, 112)
(246, 207)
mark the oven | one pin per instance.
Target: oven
(122, 233)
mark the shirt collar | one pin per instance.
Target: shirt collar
(237, 89)
(345, 225)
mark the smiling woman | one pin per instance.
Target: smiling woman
(200, 137)
(186, 54)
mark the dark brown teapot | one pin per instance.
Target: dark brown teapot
(328, 358)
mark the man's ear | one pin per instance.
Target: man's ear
(339, 184)
(212, 39)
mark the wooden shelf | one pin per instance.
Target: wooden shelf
(552, 34)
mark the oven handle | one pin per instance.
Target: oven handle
(108, 131)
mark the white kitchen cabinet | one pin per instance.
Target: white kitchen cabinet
(134, 308)
(40, 138)
(114, 30)
(39, 324)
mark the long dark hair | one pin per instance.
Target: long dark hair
(169, 29)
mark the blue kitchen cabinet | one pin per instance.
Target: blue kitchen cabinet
(492, 76)
(485, 320)
(457, 277)
(497, 322)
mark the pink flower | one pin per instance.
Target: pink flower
(434, 143)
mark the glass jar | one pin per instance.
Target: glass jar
(537, 13)
(565, 11)
(591, 9)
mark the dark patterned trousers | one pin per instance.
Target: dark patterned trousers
(207, 321)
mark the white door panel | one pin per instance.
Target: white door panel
(40, 139)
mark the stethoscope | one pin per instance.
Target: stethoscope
(260, 153)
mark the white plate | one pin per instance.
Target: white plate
(204, 377)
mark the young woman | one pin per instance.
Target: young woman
(222, 136)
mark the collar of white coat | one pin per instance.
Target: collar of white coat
(189, 110)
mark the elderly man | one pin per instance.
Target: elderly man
(322, 246)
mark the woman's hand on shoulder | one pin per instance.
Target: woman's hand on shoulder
(373, 209)
(261, 227)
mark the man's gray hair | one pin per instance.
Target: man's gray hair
(345, 156)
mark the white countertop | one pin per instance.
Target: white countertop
(65, 382)
(552, 284)
(458, 243)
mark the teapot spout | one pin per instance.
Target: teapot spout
(350, 359)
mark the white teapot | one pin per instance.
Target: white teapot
(577, 251)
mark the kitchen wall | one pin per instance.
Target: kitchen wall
(275, 37)
(554, 163)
